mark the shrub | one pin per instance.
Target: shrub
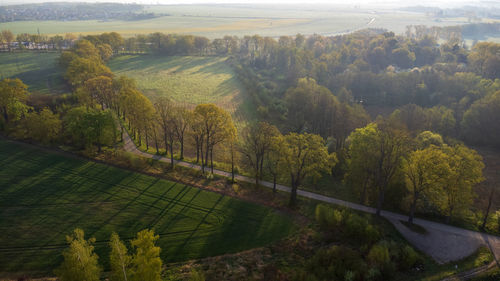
(408, 258)
(196, 275)
(328, 217)
(379, 255)
(358, 228)
(333, 263)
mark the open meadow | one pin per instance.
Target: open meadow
(46, 195)
(188, 80)
(39, 71)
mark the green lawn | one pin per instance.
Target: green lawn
(45, 195)
(187, 79)
(39, 71)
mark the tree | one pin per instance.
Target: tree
(375, 156)
(466, 171)
(97, 90)
(480, 121)
(361, 161)
(274, 161)
(146, 261)
(256, 142)
(80, 262)
(13, 96)
(120, 261)
(217, 125)
(304, 156)
(180, 120)
(8, 37)
(82, 69)
(164, 114)
(105, 51)
(86, 127)
(426, 171)
(43, 126)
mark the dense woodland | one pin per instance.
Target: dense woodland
(312, 96)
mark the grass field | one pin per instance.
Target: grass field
(189, 80)
(45, 195)
(39, 71)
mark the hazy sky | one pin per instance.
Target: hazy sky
(366, 2)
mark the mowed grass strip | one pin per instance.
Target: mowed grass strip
(188, 80)
(45, 195)
(39, 71)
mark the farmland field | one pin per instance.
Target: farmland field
(37, 70)
(45, 195)
(186, 79)
(215, 21)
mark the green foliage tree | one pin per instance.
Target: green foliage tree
(256, 143)
(466, 171)
(217, 125)
(44, 126)
(97, 90)
(80, 262)
(375, 156)
(274, 162)
(146, 262)
(120, 261)
(164, 109)
(87, 127)
(480, 123)
(82, 69)
(303, 156)
(426, 171)
(13, 97)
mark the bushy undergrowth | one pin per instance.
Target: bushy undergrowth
(365, 254)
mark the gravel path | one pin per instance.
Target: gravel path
(443, 242)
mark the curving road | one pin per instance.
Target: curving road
(443, 242)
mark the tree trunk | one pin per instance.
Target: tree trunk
(274, 183)
(261, 167)
(140, 138)
(197, 151)
(182, 147)
(412, 209)
(207, 151)
(121, 135)
(380, 200)
(293, 195)
(488, 209)
(156, 145)
(202, 160)
(166, 143)
(232, 165)
(363, 193)
(147, 139)
(450, 214)
(172, 154)
(212, 160)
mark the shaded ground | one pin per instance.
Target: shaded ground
(38, 70)
(44, 196)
